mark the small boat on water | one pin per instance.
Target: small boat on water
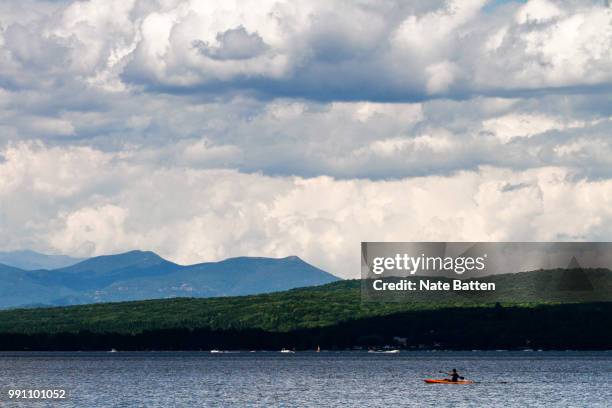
(447, 381)
(112, 350)
(395, 351)
(287, 351)
(318, 349)
(215, 351)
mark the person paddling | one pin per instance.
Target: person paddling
(454, 375)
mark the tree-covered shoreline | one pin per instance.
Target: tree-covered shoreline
(530, 310)
(549, 327)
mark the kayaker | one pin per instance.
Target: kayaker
(454, 375)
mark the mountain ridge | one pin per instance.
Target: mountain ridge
(31, 260)
(136, 275)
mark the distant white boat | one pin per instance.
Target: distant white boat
(112, 351)
(287, 351)
(215, 351)
(384, 351)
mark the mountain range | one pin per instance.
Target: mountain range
(31, 260)
(139, 275)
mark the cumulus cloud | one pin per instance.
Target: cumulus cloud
(207, 130)
(234, 43)
(346, 50)
(340, 139)
(86, 202)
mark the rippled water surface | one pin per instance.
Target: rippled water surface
(165, 379)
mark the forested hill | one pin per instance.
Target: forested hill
(303, 308)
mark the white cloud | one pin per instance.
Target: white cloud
(537, 11)
(204, 130)
(205, 152)
(51, 126)
(344, 50)
(340, 139)
(550, 45)
(198, 215)
(441, 142)
(511, 126)
(440, 77)
(92, 229)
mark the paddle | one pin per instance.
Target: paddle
(442, 372)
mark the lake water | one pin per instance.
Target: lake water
(308, 379)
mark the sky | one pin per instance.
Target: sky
(207, 130)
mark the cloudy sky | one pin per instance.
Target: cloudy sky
(203, 130)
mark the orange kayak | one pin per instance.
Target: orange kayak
(430, 381)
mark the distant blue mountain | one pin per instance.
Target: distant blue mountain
(99, 272)
(139, 275)
(30, 260)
